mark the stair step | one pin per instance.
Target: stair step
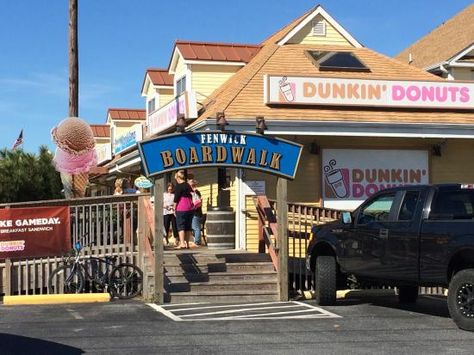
(233, 285)
(251, 266)
(222, 276)
(222, 296)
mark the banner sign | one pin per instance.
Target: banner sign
(220, 149)
(350, 176)
(34, 232)
(128, 139)
(356, 92)
(165, 117)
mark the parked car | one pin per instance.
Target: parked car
(404, 237)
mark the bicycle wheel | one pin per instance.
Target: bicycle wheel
(66, 279)
(126, 281)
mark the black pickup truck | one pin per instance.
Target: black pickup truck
(404, 237)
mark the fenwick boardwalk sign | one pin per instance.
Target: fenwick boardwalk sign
(220, 149)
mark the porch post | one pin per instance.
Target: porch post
(282, 243)
(158, 241)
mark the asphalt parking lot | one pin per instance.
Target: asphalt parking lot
(357, 326)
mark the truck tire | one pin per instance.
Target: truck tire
(461, 299)
(407, 294)
(325, 280)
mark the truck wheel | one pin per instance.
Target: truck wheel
(325, 280)
(407, 294)
(461, 299)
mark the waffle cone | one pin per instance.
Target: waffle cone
(79, 184)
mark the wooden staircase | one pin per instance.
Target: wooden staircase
(219, 276)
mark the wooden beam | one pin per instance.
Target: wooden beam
(158, 241)
(282, 242)
(73, 61)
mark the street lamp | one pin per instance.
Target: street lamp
(221, 122)
(180, 124)
(260, 126)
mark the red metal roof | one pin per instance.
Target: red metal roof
(212, 51)
(127, 114)
(100, 130)
(160, 77)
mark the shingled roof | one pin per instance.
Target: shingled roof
(444, 42)
(242, 95)
(213, 51)
(127, 114)
(100, 130)
(160, 77)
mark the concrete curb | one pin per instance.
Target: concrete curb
(56, 299)
(346, 294)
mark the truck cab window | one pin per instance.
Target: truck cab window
(407, 210)
(453, 205)
(377, 210)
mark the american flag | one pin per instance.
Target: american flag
(19, 141)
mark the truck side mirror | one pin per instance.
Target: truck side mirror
(346, 218)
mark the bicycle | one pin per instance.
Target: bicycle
(124, 280)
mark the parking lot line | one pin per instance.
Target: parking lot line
(244, 311)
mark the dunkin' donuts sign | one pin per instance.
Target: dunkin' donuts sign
(280, 89)
(34, 232)
(350, 176)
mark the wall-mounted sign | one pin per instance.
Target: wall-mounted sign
(143, 183)
(127, 139)
(34, 232)
(165, 117)
(356, 92)
(104, 152)
(220, 149)
(350, 176)
(255, 187)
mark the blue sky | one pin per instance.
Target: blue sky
(119, 39)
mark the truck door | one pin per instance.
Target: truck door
(365, 245)
(402, 238)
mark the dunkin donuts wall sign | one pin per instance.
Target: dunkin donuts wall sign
(350, 176)
(290, 90)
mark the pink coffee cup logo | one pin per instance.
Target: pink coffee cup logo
(287, 90)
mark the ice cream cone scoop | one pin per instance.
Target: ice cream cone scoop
(74, 164)
(74, 136)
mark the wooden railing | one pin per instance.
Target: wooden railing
(301, 218)
(109, 223)
(267, 229)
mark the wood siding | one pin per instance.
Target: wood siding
(332, 37)
(251, 225)
(207, 78)
(165, 96)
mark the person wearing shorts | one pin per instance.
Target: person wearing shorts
(184, 209)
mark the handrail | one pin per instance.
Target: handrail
(268, 231)
(150, 219)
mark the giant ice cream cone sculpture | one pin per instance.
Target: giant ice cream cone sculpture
(75, 155)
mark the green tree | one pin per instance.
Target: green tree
(28, 177)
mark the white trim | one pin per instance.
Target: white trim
(462, 65)
(343, 128)
(174, 61)
(214, 62)
(370, 134)
(461, 54)
(118, 167)
(320, 11)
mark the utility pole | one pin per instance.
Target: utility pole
(73, 61)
